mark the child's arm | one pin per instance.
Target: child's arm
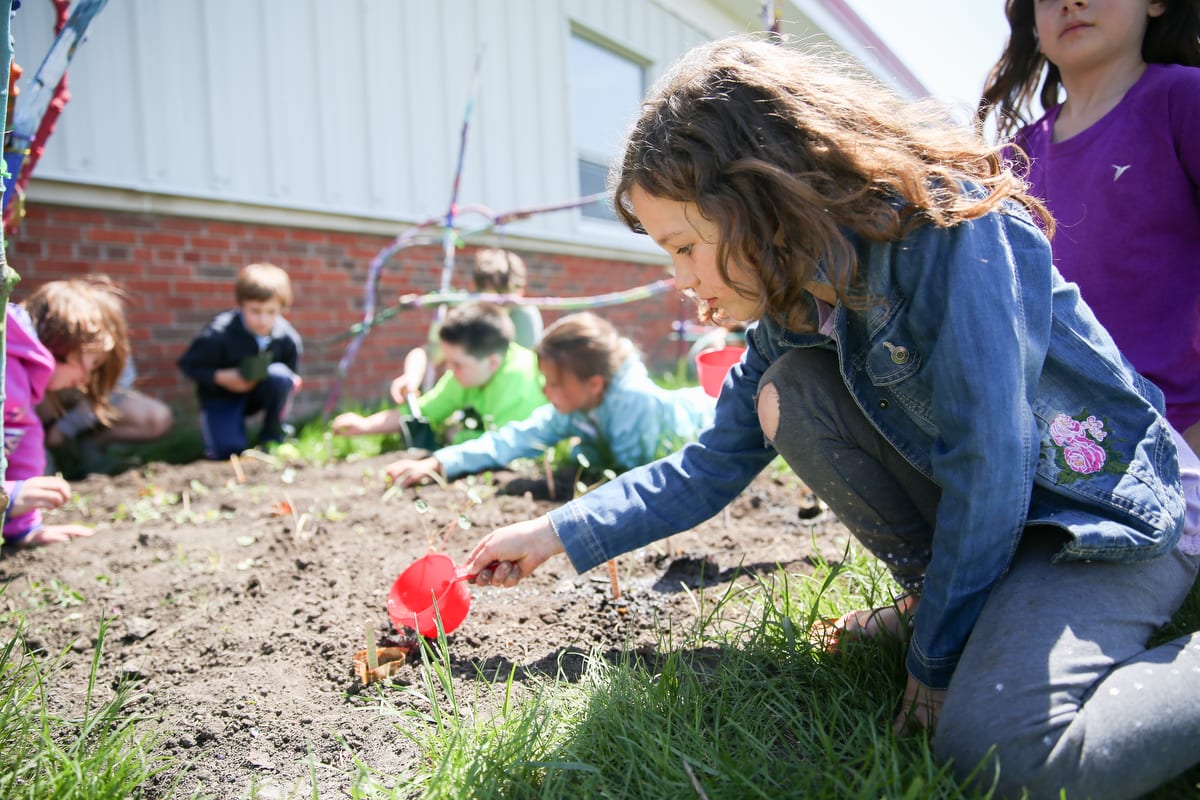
(42, 492)
(293, 348)
(408, 471)
(27, 499)
(529, 438)
(416, 364)
(544, 428)
(204, 358)
(350, 424)
(510, 553)
(231, 380)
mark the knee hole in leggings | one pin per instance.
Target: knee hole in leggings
(768, 410)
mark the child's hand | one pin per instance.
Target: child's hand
(349, 424)
(52, 534)
(231, 379)
(403, 386)
(919, 709)
(406, 471)
(510, 553)
(45, 492)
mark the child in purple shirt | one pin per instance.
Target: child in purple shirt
(66, 335)
(1118, 164)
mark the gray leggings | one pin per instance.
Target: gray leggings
(1056, 687)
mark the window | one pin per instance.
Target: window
(606, 91)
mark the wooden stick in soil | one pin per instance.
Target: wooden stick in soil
(612, 577)
(549, 475)
(237, 467)
(372, 655)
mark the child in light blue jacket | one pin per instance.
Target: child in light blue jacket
(600, 392)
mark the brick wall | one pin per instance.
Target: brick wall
(179, 271)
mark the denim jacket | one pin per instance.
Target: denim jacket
(984, 368)
(636, 422)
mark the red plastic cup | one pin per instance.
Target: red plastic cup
(430, 587)
(713, 365)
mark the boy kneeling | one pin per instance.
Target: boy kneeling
(489, 378)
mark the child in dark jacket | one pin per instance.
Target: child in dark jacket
(245, 361)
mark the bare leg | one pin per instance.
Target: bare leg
(139, 418)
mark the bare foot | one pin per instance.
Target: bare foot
(52, 534)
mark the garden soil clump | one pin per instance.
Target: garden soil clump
(235, 607)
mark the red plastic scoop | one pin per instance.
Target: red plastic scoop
(430, 587)
(713, 365)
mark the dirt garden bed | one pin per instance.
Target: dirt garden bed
(237, 606)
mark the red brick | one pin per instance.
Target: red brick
(209, 242)
(111, 236)
(160, 239)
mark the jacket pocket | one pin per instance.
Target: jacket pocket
(895, 364)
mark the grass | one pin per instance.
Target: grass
(742, 705)
(102, 753)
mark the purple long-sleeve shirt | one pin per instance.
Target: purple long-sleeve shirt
(28, 367)
(1125, 194)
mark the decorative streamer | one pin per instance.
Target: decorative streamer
(408, 238)
(553, 303)
(38, 106)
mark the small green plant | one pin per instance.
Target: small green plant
(55, 594)
(98, 753)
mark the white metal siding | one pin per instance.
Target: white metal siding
(342, 106)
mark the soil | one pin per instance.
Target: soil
(237, 607)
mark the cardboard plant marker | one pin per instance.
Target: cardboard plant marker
(390, 660)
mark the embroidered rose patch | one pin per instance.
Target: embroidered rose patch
(1079, 448)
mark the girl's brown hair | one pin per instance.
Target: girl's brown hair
(584, 345)
(785, 152)
(1172, 37)
(84, 316)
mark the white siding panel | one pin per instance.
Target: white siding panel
(176, 147)
(340, 154)
(434, 125)
(92, 142)
(239, 124)
(288, 39)
(532, 124)
(387, 129)
(350, 107)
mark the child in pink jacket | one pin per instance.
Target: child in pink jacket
(67, 334)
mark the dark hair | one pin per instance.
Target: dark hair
(479, 328)
(84, 315)
(785, 152)
(584, 345)
(1172, 37)
(498, 271)
(262, 282)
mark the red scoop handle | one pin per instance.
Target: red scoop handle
(461, 574)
